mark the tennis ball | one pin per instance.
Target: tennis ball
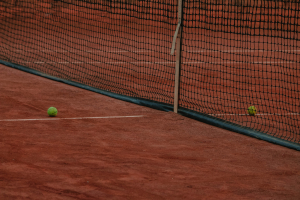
(252, 110)
(52, 112)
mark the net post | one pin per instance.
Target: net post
(178, 57)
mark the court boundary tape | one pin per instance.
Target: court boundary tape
(166, 107)
(70, 118)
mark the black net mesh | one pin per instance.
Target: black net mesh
(235, 54)
(119, 46)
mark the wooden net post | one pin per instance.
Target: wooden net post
(177, 42)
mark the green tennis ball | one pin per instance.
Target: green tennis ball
(252, 110)
(52, 112)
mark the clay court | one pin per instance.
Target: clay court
(103, 148)
(99, 147)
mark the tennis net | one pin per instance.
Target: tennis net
(235, 54)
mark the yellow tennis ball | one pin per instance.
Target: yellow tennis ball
(252, 110)
(52, 112)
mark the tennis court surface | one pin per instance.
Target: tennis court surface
(107, 65)
(103, 148)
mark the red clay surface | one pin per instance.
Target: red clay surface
(161, 155)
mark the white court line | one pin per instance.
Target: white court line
(262, 114)
(145, 62)
(74, 118)
(87, 51)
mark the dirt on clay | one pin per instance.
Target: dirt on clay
(149, 154)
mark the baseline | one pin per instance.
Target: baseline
(73, 118)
